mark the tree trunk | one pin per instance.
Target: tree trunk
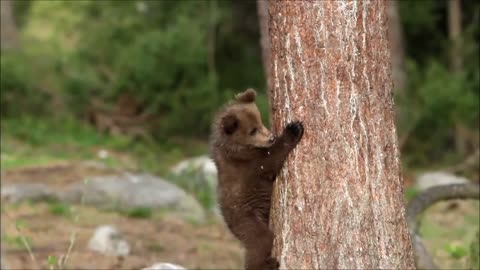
(456, 61)
(454, 32)
(8, 29)
(338, 202)
(262, 10)
(395, 37)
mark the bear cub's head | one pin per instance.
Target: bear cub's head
(241, 122)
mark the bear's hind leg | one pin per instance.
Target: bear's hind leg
(258, 241)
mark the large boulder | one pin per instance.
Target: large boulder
(199, 175)
(130, 191)
(14, 193)
(202, 168)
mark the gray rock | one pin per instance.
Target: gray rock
(14, 193)
(109, 241)
(164, 266)
(203, 163)
(437, 178)
(129, 191)
(202, 167)
(198, 173)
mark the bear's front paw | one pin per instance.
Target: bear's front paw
(295, 130)
(272, 264)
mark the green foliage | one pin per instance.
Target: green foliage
(456, 252)
(159, 51)
(17, 241)
(156, 247)
(20, 224)
(410, 193)
(159, 56)
(420, 21)
(474, 256)
(139, 212)
(183, 59)
(433, 103)
(18, 92)
(60, 209)
(436, 99)
(52, 261)
(38, 131)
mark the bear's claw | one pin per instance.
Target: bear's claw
(295, 129)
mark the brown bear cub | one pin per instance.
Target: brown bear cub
(248, 158)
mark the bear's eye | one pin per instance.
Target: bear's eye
(253, 131)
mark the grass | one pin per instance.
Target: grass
(139, 212)
(30, 141)
(155, 247)
(450, 234)
(17, 241)
(27, 141)
(410, 193)
(60, 209)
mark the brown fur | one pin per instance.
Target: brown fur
(248, 158)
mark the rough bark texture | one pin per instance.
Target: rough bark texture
(338, 202)
(8, 29)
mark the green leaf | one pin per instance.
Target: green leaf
(52, 261)
(456, 251)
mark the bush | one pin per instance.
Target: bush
(434, 101)
(19, 92)
(180, 59)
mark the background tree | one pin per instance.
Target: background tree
(338, 202)
(395, 37)
(262, 10)
(8, 31)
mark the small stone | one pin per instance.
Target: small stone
(108, 241)
(103, 154)
(164, 266)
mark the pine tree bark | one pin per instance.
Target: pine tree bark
(338, 202)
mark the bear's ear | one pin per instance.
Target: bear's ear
(229, 124)
(247, 96)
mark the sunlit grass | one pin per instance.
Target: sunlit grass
(450, 238)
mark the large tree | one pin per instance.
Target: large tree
(338, 202)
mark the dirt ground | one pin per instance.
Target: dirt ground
(160, 238)
(165, 237)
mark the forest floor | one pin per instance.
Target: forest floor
(448, 228)
(157, 238)
(47, 226)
